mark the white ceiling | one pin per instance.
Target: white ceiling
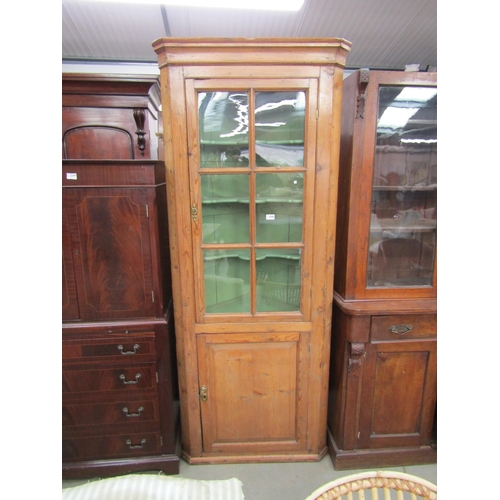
(386, 34)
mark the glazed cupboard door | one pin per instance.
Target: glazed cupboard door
(403, 219)
(393, 242)
(252, 190)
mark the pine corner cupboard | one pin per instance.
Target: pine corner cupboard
(382, 392)
(251, 135)
(119, 413)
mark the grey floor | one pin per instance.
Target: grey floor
(280, 481)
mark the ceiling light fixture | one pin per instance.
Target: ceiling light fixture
(283, 5)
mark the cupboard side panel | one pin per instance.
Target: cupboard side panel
(179, 229)
(325, 203)
(345, 165)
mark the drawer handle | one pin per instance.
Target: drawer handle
(401, 329)
(134, 446)
(126, 382)
(138, 414)
(136, 347)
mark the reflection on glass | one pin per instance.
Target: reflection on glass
(278, 205)
(279, 128)
(227, 281)
(278, 279)
(225, 212)
(403, 210)
(223, 129)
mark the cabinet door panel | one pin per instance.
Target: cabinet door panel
(399, 393)
(110, 234)
(254, 217)
(256, 394)
(70, 310)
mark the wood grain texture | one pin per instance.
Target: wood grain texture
(262, 51)
(399, 395)
(356, 177)
(98, 116)
(382, 397)
(256, 392)
(110, 234)
(195, 65)
(119, 383)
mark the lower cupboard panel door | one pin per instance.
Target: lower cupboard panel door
(399, 394)
(253, 392)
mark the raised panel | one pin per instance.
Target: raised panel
(399, 384)
(107, 143)
(110, 234)
(255, 392)
(398, 396)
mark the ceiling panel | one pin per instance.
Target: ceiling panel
(384, 33)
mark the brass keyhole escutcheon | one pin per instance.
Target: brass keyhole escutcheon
(203, 393)
(194, 213)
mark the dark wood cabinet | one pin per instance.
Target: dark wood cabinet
(382, 393)
(120, 410)
(113, 239)
(110, 117)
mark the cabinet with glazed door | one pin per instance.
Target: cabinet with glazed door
(251, 187)
(382, 395)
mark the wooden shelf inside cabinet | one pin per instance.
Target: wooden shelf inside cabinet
(404, 188)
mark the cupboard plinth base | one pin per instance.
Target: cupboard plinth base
(255, 459)
(168, 464)
(383, 457)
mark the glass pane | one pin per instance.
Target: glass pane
(223, 129)
(279, 128)
(278, 279)
(278, 205)
(403, 211)
(227, 281)
(225, 211)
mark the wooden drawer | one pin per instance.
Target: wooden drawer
(404, 327)
(125, 411)
(102, 447)
(117, 349)
(117, 379)
(112, 173)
